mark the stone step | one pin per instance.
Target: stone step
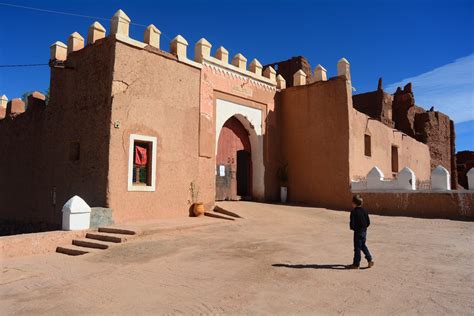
(219, 209)
(88, 243)
(219, 216)
(115, 230)
(73, 250)
(107, 237)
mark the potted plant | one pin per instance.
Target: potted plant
(282, 175)
(198, 207)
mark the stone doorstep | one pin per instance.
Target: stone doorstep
(73, 250)
(116, 230)
(88, 243)
(109, 237)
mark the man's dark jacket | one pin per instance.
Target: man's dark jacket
(359, 220)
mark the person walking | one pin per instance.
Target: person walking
(359, 222)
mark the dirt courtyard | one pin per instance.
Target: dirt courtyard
(277, 260)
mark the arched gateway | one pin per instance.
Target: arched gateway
(239, 152)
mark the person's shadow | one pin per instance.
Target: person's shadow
(310, 266)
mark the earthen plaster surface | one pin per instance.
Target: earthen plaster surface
(279, 260)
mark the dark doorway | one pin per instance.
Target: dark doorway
(233, 162)
(243, 173)
(394, 159)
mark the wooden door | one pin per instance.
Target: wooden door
(233, 138)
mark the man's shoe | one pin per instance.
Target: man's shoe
(371, 264)
(352, 266)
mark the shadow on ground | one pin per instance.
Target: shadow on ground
(311, 266)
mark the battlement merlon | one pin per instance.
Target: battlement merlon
(96, 32)
(299, 78)
(320, 73)
(152, 36)
(3, 106)
(75, 42)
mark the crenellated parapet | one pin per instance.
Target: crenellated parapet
(120, 30)
(300, 78)
(16, 106)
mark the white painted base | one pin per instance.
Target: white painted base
(283, 194)
(76, 214)
(76, 221)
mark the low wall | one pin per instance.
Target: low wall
(448, 205)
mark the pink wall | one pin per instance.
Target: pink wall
(155, 95)
(411, 153)
(220, 83)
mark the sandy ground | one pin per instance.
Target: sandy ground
(278, 260)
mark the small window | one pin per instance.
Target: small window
(367, 146)
(394, 159)
(74, 151)
(142, 163)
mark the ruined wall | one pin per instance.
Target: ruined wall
(376, 104)
(154, 95)
(464, 161)
(315, 142)
(411, 153)
(56, 151)
(404, 110)
(287, 69)
(429, 127)
(437, 131)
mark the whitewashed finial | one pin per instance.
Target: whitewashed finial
(281, 82)
(240, 61)
(179, 46)
(320, 73)
(75, 42)
(470, 179)
(58, 51)
(76, 214)
(374, 177)
(202, 50)
(299, 78)
(270, 73)
(96, 32)
(406, 179)
(222, 54)
(344, 69)
(255, 67)
(152, 36)
(120, 23)
(440, 179)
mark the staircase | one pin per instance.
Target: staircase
(97, 241)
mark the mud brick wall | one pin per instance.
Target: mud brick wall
(437, 131)
(288, 68)
(376, 104)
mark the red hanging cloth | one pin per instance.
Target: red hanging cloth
(140, 156)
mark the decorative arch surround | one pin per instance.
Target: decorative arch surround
(251, 119)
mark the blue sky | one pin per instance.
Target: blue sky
(428, 42)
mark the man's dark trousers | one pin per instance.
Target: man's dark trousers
(359, 244)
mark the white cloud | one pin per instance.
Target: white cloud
(449, 88)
